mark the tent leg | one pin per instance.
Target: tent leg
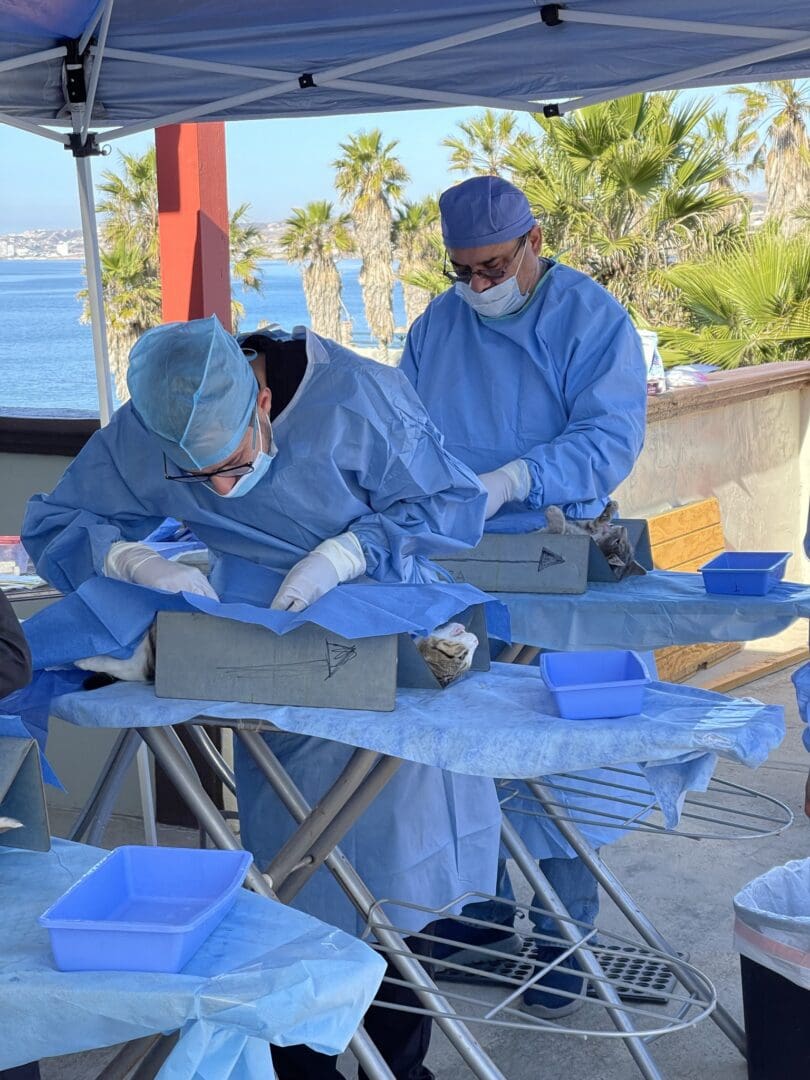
(92, 262)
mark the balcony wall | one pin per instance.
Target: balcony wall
(744, 437)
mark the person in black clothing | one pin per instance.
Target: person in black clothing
(15, 658)
(15, 673)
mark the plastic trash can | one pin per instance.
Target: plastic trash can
(772, 935)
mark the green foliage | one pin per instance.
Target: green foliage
(315, 232)
(368, 170)
(748, 304)
(624, 188)
(130, 256)
(484, 143)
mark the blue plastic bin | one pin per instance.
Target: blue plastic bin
(590, 685)
(745, 573)
(144, 908)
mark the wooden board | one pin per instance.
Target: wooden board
(684, 519)
(762, 666)
(689, 547)
(680, 662)
(684, 539)
(694, 565)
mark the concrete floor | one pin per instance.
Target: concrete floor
(685, 886)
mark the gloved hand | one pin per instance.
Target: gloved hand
(140, 667)
(139, 565)
(339, 559)
(511, 483)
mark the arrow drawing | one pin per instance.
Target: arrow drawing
(547, 559)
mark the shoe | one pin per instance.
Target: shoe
(542, 1001)
(468, 939)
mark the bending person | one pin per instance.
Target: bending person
(325, 469)
(534, 374)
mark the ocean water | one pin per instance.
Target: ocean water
(46, 354)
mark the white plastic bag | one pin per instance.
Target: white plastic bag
(772, 923)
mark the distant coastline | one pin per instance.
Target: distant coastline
(46, 245)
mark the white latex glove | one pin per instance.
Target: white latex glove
(140, 667)
(139, 565)
(511, 483)
(331, 562)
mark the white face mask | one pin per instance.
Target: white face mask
(261, 463)
(505, 298)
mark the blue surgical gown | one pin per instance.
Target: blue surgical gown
(355, 451)
(561, 384)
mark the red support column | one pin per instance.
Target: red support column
(193, 215)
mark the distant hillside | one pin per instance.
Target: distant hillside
(67, 243)
(42, 244)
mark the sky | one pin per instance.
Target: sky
(272, 164)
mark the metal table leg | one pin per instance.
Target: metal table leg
(96, 812)
(130, 1055)
(154, 1059)
(626, 904)
(298, 847)
(531, 871)
(147, 799)
(211, 755)
(168, 750)
(347, 877)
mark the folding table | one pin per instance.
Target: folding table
(497, 723)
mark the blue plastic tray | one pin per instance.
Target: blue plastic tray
(144, 908)
(745, 573)
(590, 685)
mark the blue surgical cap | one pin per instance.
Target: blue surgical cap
(194, 389)
(484, 210)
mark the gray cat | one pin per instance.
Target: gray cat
(611, 539)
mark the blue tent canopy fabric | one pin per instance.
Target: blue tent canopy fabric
(169, 60)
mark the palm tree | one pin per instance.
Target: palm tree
(415, 232)
(747, 305)
(130, 257)
(371, 178)
(780, 110)
(624, 188)
(317, 237)
(247, 248)
(484, 143)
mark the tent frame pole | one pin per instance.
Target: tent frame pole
(95, 295)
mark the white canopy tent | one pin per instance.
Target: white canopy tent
(70, 68)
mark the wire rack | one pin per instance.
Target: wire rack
(724, 811)
(495, 996)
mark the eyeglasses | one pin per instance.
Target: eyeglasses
(494, 275)
(184, 477)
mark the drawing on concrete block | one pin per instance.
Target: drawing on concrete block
(336, 656)
(547, 559)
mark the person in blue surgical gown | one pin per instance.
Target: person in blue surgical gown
(535, 376)
(324, 467)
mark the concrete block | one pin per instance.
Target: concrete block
(205, 658)
(22, 795)
(536, 562)
(542, 562)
